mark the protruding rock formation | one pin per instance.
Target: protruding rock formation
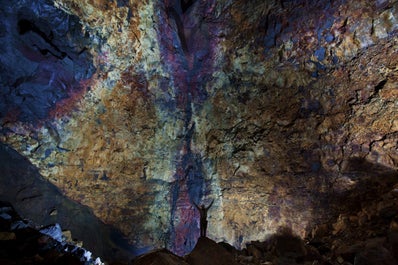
(209, 252)
(159, 257)
(22, 243)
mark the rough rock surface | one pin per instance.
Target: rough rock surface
(209, 252)
(283, 111)
(23, 243)
(353, 238)
(366, 235)
(41, 203)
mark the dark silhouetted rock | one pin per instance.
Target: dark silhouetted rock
(375, 256)
(159, 257)
(393, 243)
(287, 245)
(20, 243)
(208, 252)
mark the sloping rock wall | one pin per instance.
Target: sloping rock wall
(42, 204)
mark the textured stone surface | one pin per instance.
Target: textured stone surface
(22, 243)
(41, 204)
(44, 62)
(280, 110)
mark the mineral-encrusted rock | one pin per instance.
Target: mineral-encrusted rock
(265, 106)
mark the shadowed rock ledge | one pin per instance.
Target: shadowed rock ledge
(37, 200)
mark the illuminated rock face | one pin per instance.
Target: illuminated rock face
(261, 105)
(44, 62)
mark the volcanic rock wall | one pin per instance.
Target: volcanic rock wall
(137, 109)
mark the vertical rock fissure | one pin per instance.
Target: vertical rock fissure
(184, 41)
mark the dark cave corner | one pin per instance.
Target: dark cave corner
(39, 201)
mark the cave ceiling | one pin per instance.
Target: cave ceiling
(275, 109)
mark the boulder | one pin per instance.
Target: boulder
(208, 252)
(393, 243)
(159, 257)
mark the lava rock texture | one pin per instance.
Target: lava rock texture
(284, 112)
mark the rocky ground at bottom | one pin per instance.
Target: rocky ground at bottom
(367, 235)
(24, 243)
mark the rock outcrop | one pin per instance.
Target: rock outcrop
(23, 243)
(41, 203)
(209, 252)
(284, 112)
(159, 257)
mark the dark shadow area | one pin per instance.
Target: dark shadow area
(185, 4)
(36, 199)
(22, 243)
(361, 182)
(362, 227)
(284, 247)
